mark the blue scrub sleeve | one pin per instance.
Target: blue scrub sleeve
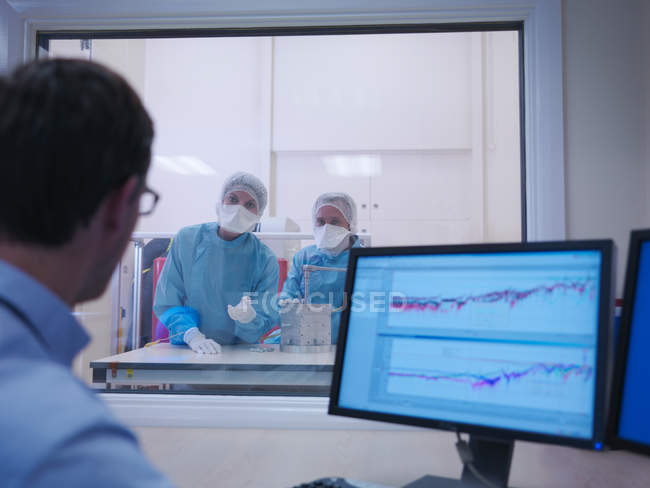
(170, 295)
(265, 302)
(291, 287)
(179, 320)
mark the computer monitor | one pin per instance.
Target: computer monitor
(501, 341)
(630, 425)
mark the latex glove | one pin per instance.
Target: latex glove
(243, 312)
(199, 343)
(287, 304)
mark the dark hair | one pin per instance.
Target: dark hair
(71, 131)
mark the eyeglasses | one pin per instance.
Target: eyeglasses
(148, 201)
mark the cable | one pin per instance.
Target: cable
(467, 458)
(153, 343)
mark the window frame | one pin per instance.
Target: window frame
(542, 127)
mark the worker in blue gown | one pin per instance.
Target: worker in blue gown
(334, 217)
(219, 283)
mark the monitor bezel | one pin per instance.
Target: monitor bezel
(603, 370)
(637, 238)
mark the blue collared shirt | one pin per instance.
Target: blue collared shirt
(54, 431)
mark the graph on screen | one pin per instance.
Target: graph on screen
(514, 375)
(506, 340)
(535, 302)
(510, 297)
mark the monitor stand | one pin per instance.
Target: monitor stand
(492, 458)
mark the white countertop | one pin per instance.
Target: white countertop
(241, 354)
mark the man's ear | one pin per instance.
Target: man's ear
(121, 205)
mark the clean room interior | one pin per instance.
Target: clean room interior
(603, 91)
(440, 164)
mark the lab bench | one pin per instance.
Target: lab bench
(240, 368)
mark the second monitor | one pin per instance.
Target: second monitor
(631, 396)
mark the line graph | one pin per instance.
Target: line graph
(491, 379)
(510, 296)
(513, 301)
(532, 376)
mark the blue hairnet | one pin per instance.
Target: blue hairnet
(340, 201)
(251, 184)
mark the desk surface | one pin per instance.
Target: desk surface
(168, 356)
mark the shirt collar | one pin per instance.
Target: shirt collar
(50, 316)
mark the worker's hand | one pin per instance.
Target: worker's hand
(287, 304)
(243, 312)
(199, 343)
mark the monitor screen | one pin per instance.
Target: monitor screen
(491, 338)
(632, 394)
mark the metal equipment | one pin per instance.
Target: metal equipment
(307, 327)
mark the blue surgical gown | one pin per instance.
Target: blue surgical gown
(203, 274)
(324, 286)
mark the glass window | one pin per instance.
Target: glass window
(422, 130)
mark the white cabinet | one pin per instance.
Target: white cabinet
(301, 177)
(407, 100)
(420, 232)
(379, 92)
(422, 185)
(425, 197)
(421, 197)
(364, 226)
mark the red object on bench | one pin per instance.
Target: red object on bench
(284, 269)
(159, 331)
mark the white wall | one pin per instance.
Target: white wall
(11, 37)
(210, 100)
(606, 177)
(126, 56)
(645, 62)
(68, 48)
(502, 150)
(375, 92)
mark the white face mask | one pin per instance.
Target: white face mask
(331, 238)
(235, 218)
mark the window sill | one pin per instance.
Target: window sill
(235, 412)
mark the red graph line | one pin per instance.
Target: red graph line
(509, 296)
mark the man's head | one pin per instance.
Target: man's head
(75, 146)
